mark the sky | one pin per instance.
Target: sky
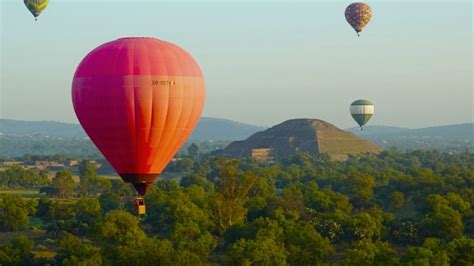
(264, 62)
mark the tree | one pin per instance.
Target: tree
(184, 165)
(325, 200)
(17, 252)
(42, 207)
(193, 151)
(306, 246)
(397, 199)
(195, 179)
(58, 216)
(292, 199)
(431, 253)
(458, 203)
(176, 207)
(184, 216)
(365, 252)
(18, 176)
(261, 251)
(261, 195)
(88, 214)
(120, 227)
(90, 183)
(63, 184)
(87, 169)
(405, 231)
(365, 225)
(193, 242)
(14, 212)
(443, 222)
(109, 202)
(146, 251)
(74, 251)
(231, 194)
(335, 226)
(294, 172)
(361, 188)
(122, 189)
(461, 251)
(267, 247)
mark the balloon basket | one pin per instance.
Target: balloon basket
(140, 205)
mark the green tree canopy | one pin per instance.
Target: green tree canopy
(120, 227)
(193, 151)
(17, 252)
(14, 212)
(365, 252)
(18, 176)
(63, 184)
(231, 193)
(90, 183)
(74, 251)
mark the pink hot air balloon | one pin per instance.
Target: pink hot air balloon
(138, 99)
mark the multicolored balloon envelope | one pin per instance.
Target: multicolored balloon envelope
(36, 6)
(138, 99)
(362, 111)
(358, 16)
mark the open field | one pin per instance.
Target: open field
(5, 237)
(25, 193)
(51, 174)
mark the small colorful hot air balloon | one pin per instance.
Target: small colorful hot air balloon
(362, 111)
(36, 6)
(138, 99)
(358, 15)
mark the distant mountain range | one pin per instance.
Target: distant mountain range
(49, 137)
(41, 129)
(459, 131)
(454, 138)
(207, 129)
(223, 129)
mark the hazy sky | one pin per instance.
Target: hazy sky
(264, 62)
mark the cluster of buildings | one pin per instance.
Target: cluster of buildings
(47, 165)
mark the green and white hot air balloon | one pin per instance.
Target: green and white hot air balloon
(362, 111)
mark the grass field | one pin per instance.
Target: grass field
(46, 254)
(25, 193)
(51, 174)
(5, 237)
(35, 193)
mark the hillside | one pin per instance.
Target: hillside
(453, 138)
(41, 128)
(310, 135)
(222, 129)
(48, 137)
(208, 129)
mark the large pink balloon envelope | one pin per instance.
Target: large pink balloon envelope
(138, 99)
